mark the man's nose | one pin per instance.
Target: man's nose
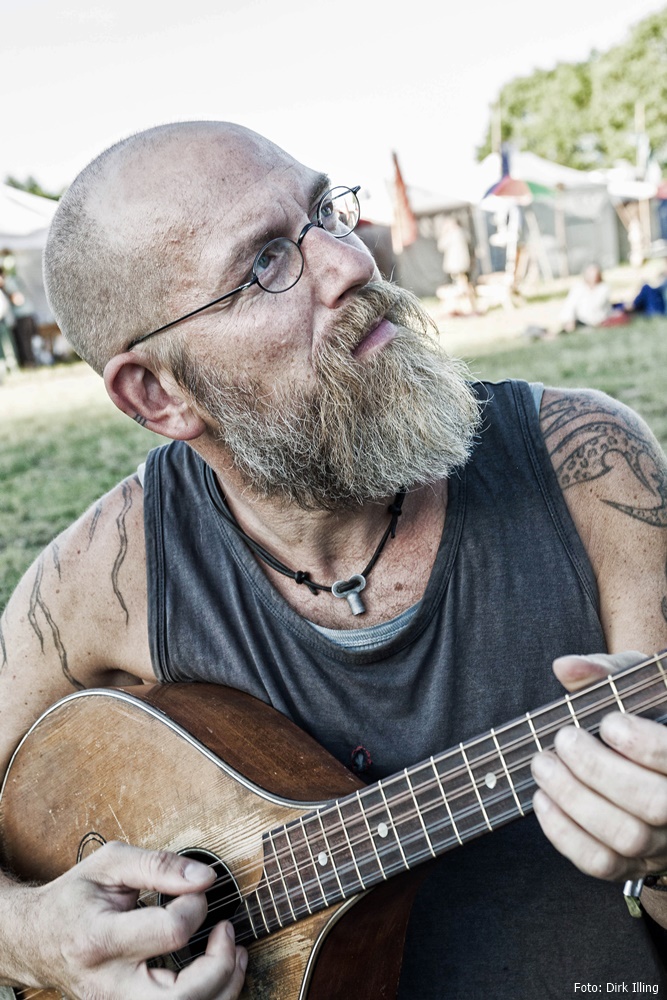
(337, 266)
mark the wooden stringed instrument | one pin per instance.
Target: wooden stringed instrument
(296, 840)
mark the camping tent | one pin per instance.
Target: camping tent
(576, 225)
(24, 224)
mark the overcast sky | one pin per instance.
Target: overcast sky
(339, 86)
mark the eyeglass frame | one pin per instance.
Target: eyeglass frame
(319, 224)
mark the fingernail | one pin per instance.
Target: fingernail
(243, 960)
(616, 728)
(230, 931)
(194, 871)
(542, 765)
(566, 737)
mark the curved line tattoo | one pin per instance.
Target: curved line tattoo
(93, 523)
(122, 552)
(3, 647)
(55, 552)
(584, 453)
(37, 601)
(34, 603)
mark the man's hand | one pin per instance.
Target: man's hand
(603, 803)
(83, 933)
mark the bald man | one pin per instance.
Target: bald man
(346, 527)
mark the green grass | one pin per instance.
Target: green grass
(62, 442)
(629, 362)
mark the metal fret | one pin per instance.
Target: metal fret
(383, 831)
(474, 785)
(312, 859)
(331, 856)
(282, 879)
(572, 711)
(292, 867)
(534, 731)
(398, 839)
(658, 663)
(446, 801)
(347, 838)
(370, 836)
(616, 694)
(507, 774)
(421, 818)
(319, 850)
(297, 869)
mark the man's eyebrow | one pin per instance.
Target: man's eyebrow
(320, 186)
(245, 252)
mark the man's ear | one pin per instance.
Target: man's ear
(151, 398)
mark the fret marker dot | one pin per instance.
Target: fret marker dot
(322, 858)
(383, 830)
(490, 780)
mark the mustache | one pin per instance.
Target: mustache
(372, 303)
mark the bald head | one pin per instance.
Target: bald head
(120, 256)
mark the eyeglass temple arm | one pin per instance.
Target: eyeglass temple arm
(195, 312)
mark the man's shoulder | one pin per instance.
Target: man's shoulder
(78, 617)
(613, 474)
(84, 597)
(585, 428)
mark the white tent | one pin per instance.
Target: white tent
(24, 219)
(528, 166)
(24, 224)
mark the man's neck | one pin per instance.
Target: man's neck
(332, 546)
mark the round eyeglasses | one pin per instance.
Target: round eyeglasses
(279, 264)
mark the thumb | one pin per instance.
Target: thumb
(121, 866)
(578, 671)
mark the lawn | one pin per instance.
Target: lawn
(628, 362)
(62, 443)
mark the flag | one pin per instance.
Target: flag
(404, 226)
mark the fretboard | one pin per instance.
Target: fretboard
(356, 842)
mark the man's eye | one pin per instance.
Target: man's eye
(327, 209)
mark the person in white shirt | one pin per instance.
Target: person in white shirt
(588, 302)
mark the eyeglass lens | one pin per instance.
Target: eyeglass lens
(339, 211)
(279, 264)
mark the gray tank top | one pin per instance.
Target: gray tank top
(504, 917)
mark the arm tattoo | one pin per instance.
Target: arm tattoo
(37, 602)
(590, 434)
(122, 552)
(142, 421)
(55, 552)
(3, 647)
(93, 523)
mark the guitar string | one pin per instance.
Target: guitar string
(489, 801)
(590, 709)
(460, 770)
(418, 835)
(343, 850)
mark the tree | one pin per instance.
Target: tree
(32, 187)
(583, 114)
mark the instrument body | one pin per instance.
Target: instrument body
(310, 852)
(198, 766)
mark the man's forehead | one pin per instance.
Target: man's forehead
(266, 205)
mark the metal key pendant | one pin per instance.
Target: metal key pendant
(349, 589)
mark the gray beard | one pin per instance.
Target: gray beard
(400, 418)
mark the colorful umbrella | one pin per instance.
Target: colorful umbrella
(522, 192)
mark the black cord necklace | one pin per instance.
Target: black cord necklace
(349, 589)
